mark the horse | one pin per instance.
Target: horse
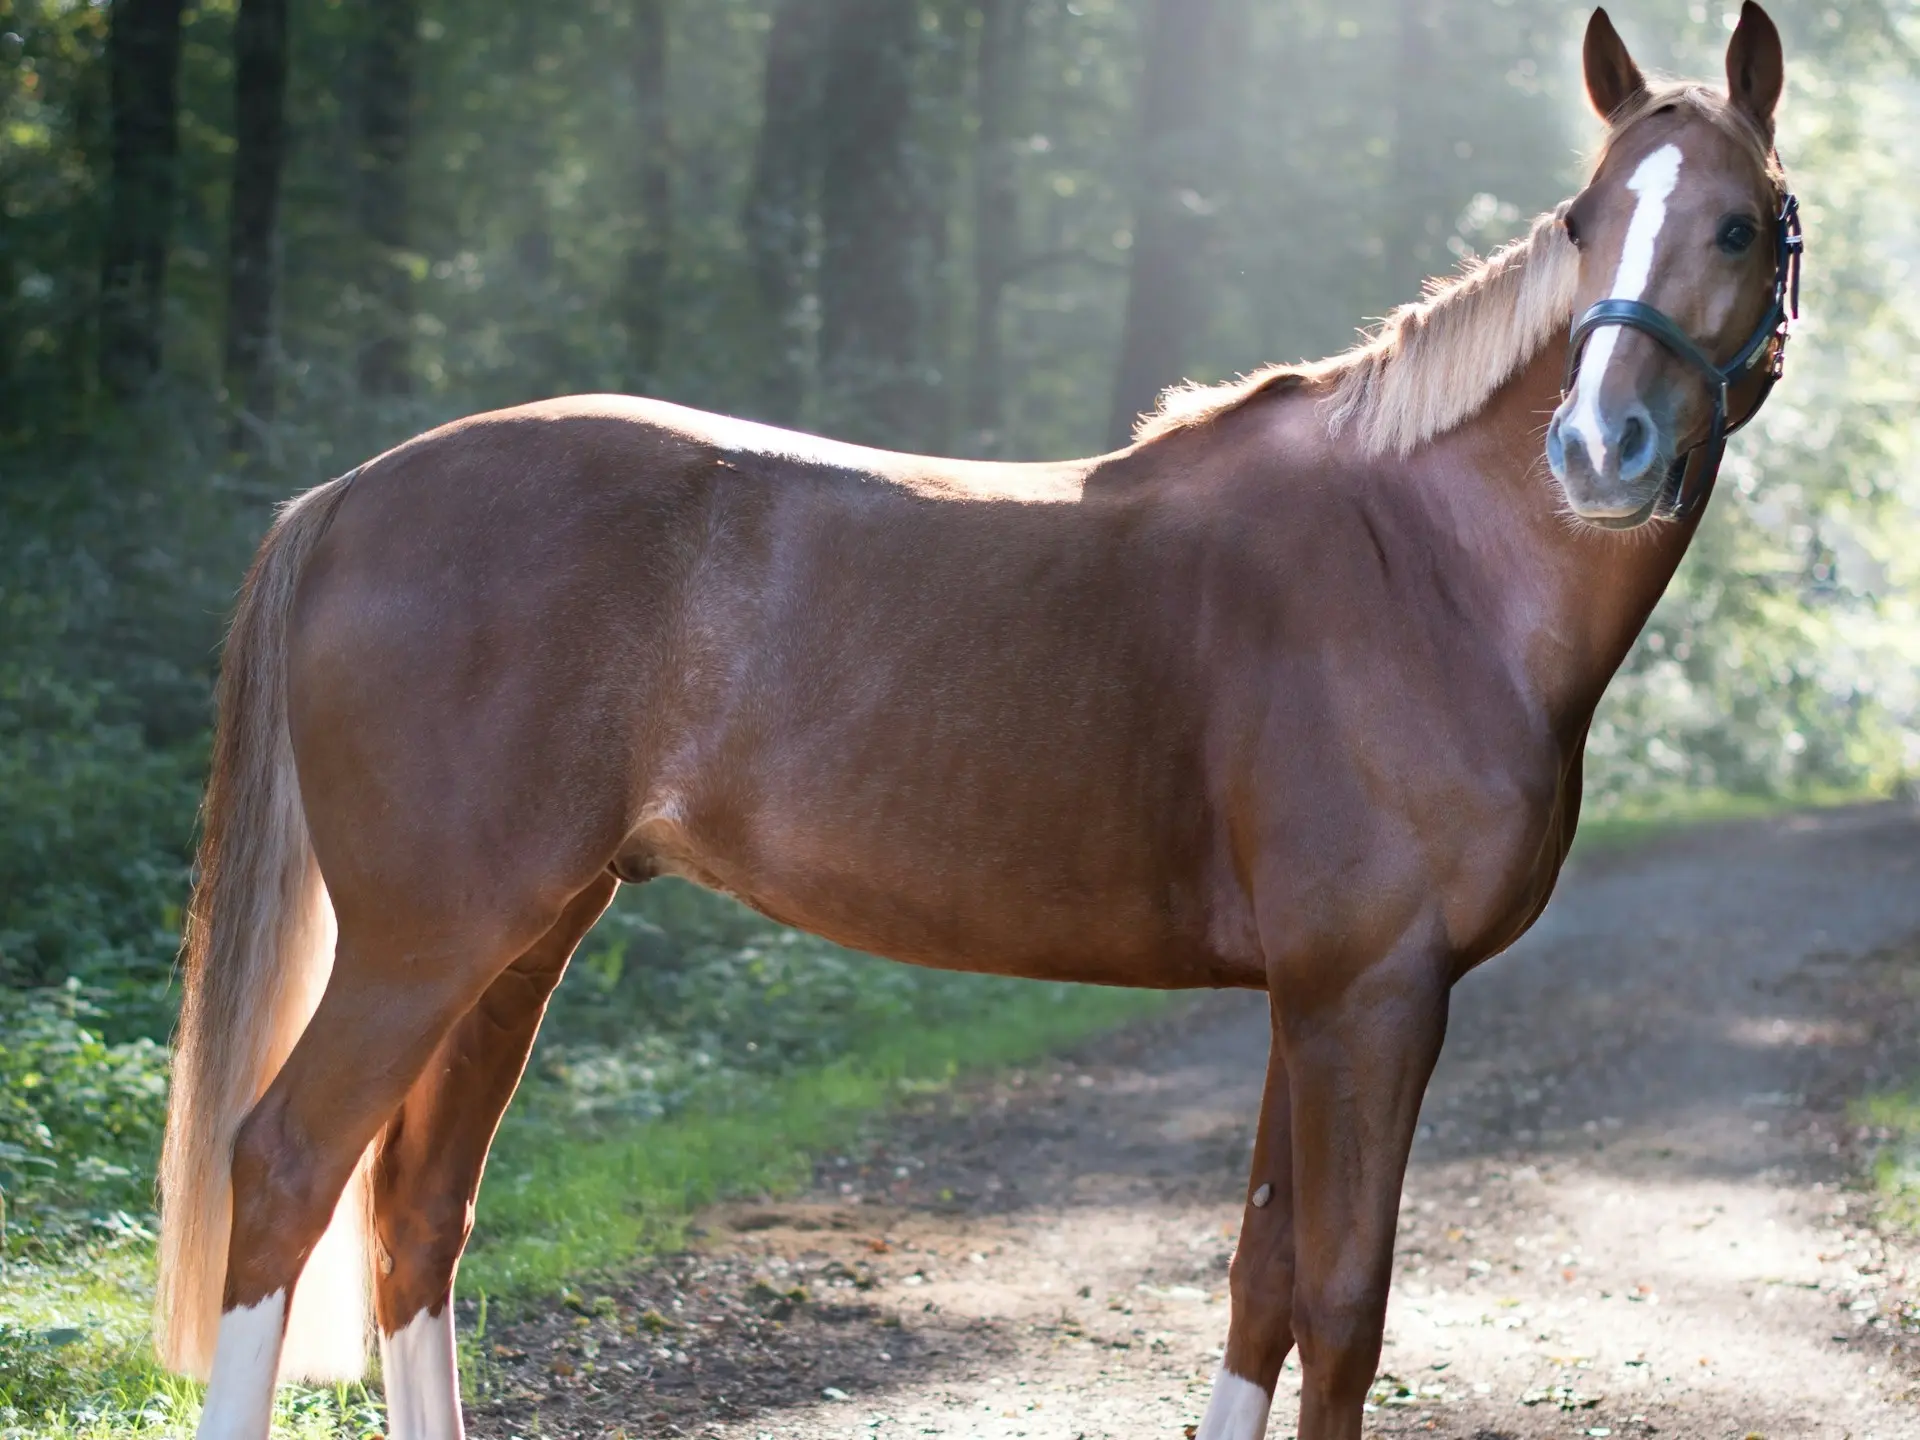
(1290, 694)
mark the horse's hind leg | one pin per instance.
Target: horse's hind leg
(1260, 1328)
(404, 971)
(427, 1175)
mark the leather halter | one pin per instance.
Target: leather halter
(1690, 478)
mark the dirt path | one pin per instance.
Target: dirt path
(1627, 1212)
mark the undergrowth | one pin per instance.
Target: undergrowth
(1892, 1120)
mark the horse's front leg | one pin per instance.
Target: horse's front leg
(1358, 1057)
(1260, 1329)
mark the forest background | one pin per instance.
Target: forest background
(245, 244)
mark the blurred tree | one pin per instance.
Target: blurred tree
(388, 57)
(1176, 199)
(143, 62)
(872, 314)
(259, 155)
(1001, 64)
(778, 218)
(936, 147)
(12, 60)
(643, 291)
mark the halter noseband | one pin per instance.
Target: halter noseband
(1687, 485)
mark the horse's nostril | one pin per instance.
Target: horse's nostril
(1562, 439)
(1636, 437)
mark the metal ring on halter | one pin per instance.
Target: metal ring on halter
(1683, 493)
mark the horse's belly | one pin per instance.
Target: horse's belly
(969, 909)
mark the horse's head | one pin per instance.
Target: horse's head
(1684, 248)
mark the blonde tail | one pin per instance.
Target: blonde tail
(257, 953)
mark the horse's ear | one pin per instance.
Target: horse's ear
(1755, 70)
(1613, 80)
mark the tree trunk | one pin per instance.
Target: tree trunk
(9, 343)
(873, 382)
(260, 130)
(996, 216)
(933, 147)
(1173, 204)
(643, 300)
(143, 65)
(386, 131)
(779, 211)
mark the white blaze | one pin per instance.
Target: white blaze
(1237, 1411)
(422, 1379)
(1652, 182)
(246, 1357)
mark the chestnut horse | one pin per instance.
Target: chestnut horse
(1288, 695)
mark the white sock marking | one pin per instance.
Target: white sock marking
(422, 1379)
(1237, 1411)
(246, 1358)
(1653, 182)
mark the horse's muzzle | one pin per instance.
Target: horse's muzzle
(1612, 467)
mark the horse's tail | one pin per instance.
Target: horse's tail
(257, 953)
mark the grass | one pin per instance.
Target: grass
(561, 1203)
(76, 1358)
(1894, 1120)
(1637, 822)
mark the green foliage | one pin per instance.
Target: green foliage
(1892, 1121)
(80, 1120)
(114, 568)
(93, 825)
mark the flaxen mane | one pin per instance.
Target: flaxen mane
(1435, 363)
(1432, 364)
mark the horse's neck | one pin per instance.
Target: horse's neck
(1574, 597)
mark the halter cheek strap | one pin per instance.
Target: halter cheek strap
(1690, 478)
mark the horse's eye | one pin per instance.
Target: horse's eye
(1737, 235)
(1572, 228)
